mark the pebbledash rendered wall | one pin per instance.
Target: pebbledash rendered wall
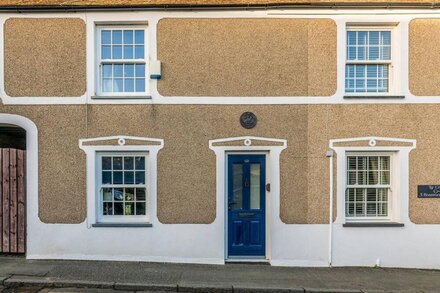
(254, 56)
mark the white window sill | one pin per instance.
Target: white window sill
(122, 225)
(127, 97)
(372, 224)
(384, 96)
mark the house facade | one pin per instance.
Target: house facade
(294, 133)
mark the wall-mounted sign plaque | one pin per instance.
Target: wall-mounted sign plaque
(248, 120)
(428, 191)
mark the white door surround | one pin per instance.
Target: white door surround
(269, 146)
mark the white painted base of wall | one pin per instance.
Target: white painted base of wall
(412, 246)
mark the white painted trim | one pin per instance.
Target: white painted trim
(151, 168)
(400, 179)
(272, 176)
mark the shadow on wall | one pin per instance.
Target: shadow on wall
(12, 137)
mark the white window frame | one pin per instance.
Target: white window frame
(99, 189)
(400, 148)
(143, 145)
(394, 66)
(99, 61)
(392, 194)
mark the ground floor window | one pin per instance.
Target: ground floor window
(368, 186)
(122, 186)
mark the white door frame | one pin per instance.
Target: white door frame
(272, 149)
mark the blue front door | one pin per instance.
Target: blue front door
(246, 205)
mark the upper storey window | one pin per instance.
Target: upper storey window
(122, 61)
(368, 61)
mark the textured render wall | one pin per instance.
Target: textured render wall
(247, 57)
(45, 57)
(424, 76)
(186, 166)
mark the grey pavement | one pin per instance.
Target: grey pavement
(46, 276)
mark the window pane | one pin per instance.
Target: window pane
(106, 52)
(107, 85)
(128, 52)
(255, 187)
(139, 37)
(106, 37)
(140, 177)
(139, 52)
(117, 52)
(118, 194)
(118, 71)
(117, 37)
(117, 177)
(107, 209)
(106, 177)
(129, 194)
(140, 163)
(351, 178)
(128, 37)
(118, 85)
(129, 85)
(118, 208)
(107, 71)
(107, 194)
(373, 38)
(117, 163)
(140, 85)
(106, 163)
(140, 208)
(140, 70)
(140, 194)
(362, 38)
(128, 177)
(351, 38)
(128, 163)
(236, 202)
(129, 209)
(129, 70)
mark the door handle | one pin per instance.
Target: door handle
(246, 215)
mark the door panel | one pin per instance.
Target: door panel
(246, 205)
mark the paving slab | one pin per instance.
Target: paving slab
(204, 287)
(145, 287)
(264, 289)
(20, 266)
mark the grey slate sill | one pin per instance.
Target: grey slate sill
(384, 97)
(120, 225)
(372, 225)
(121, 97)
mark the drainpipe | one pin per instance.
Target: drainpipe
(330, 220)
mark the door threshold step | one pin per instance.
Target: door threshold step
(256, 261)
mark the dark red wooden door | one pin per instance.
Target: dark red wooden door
(13, 201)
